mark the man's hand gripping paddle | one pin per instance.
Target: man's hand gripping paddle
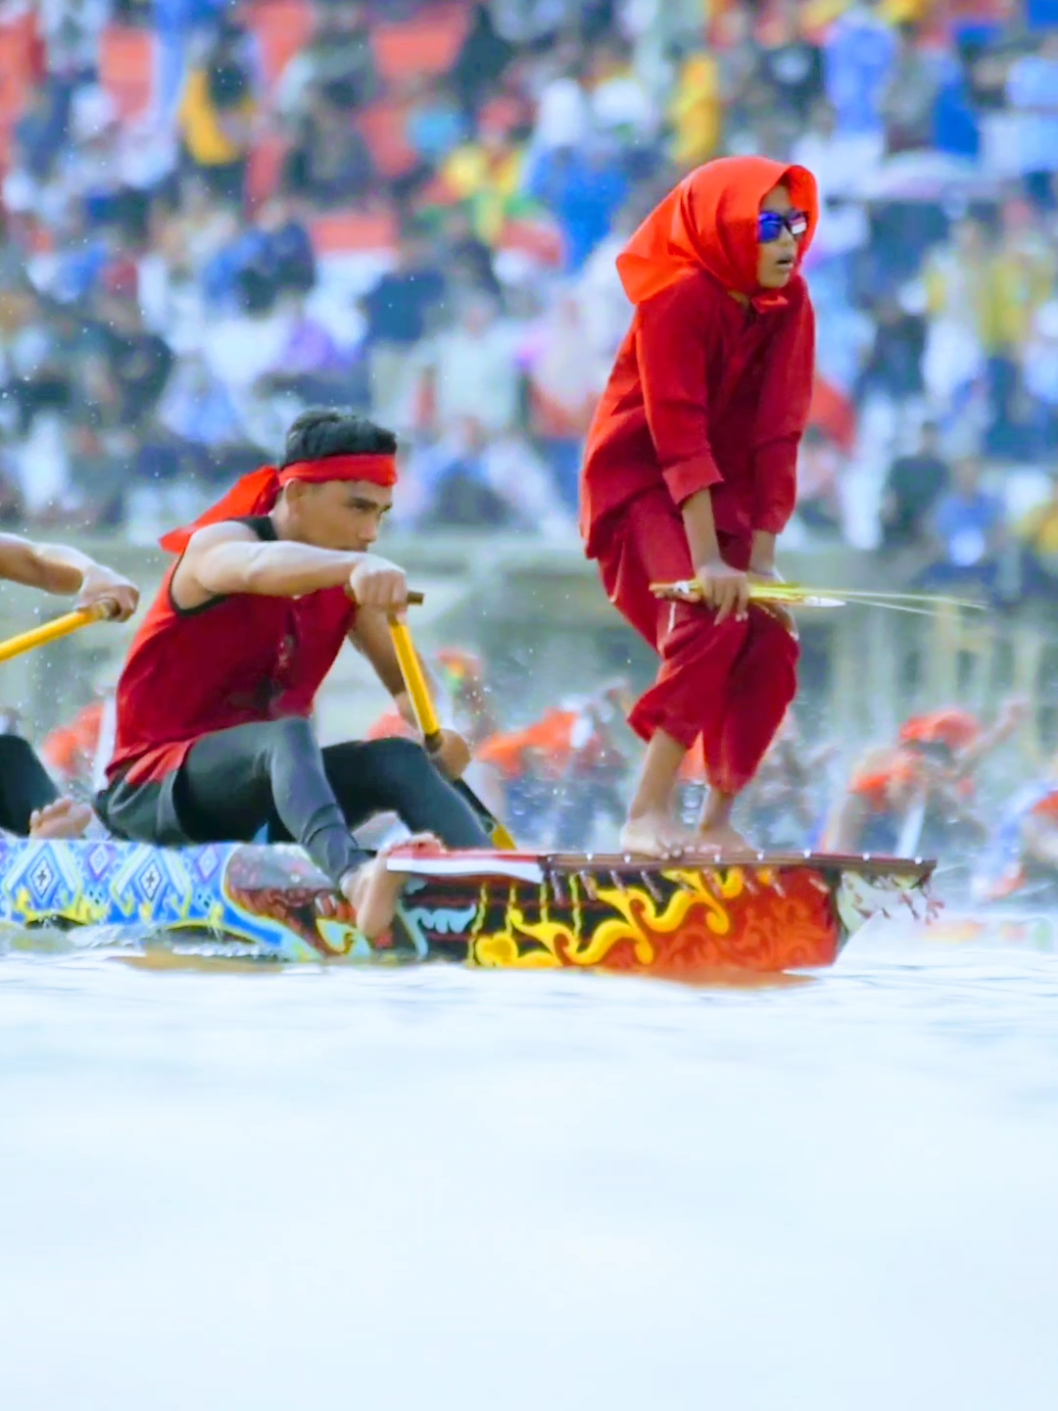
(422, 704)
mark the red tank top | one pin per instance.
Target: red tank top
(236, 660)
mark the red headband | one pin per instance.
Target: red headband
(258, 492)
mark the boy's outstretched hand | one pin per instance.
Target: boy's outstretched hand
(726, 589)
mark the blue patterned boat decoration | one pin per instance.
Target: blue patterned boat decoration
(767, 914)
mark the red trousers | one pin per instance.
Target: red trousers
(731, 684)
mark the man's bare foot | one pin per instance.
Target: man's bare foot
(656, 835)
(721, 838)
(373, 891)
(65, 818)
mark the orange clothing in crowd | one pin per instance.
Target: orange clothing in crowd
(550, 739)
(70, 750)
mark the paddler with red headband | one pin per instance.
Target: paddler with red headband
(690, 472)
(213, 737)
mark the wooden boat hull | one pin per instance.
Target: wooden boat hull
(494, 910)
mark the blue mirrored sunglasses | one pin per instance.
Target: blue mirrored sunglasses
(771, 224)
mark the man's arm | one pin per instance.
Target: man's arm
(762, 554)
(1012, 714)
(371, 635)
(228, 558)
(58, 569)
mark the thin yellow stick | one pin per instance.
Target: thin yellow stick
(792, 594)
(52, 631)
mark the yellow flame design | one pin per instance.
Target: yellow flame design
(638, 917)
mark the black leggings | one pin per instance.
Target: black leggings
(25, 784)
(275, 774)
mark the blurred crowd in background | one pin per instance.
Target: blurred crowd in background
(216, 213)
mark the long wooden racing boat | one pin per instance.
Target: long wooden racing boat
(493, 909)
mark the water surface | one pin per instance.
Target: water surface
(321, 1189)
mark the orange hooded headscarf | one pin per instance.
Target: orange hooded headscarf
(709, 222)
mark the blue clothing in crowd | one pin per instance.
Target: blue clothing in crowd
(583, 191)
(860, 54)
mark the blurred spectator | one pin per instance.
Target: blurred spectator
(486, 50)
(1039, 535)
(436, 122)
(739, 60)
(99, 472)
(604, 306)
(837, 161)
(329, 164)
(893, 370)
(179, 25)
(198, 409)
(1032, 90)
(486, 173)
(311, 364)
(150, 328)
(910, 96)
(791, 64)
(465, 257)
(398, 311)
(861, 55)
(618, 103)
(563, 112)
(819, 468)
(468, 478)
(473, 369)
(337, 60)
(1040, 372)
(245, 348)
(139, 360)
(39, 133)
(12, 508)
(585, 188)
(955, 279)
(694, 111)
(216, 118)
(1019, 279)
(968, 531)
(912, 488)
(72, 30)
(564, 383)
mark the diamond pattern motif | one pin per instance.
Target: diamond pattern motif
(110, 883)
(99, 859)
(42, 877)
(150, 879)
(207, 862)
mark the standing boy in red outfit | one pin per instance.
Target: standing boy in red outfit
(690, 472)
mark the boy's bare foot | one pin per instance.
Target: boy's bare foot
(657, 834)
(65, 818)
(721, 838)
(373, 891)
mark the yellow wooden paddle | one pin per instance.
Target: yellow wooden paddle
(426, 715)
(53, 631)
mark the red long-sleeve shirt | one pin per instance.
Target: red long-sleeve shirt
(705, 394)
